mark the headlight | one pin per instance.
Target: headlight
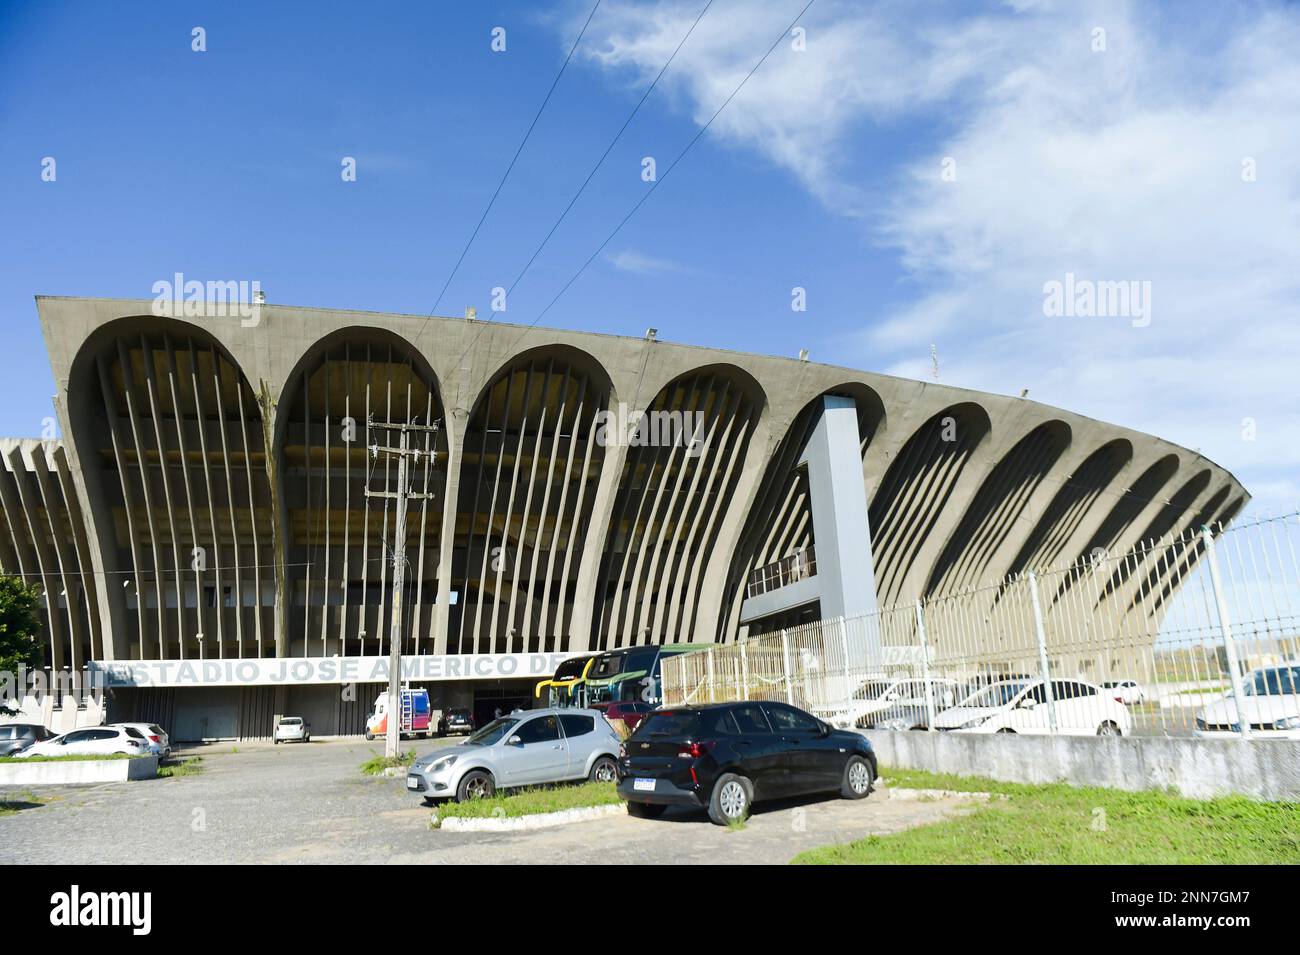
(441, 764)
(1287, 723)
(971, 724)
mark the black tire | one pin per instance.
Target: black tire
(476, 784)
(369, 737)
(856, 781)
(1007, 729)
(645, 810)
(1108, 729)
(731, 799)
(604, 770)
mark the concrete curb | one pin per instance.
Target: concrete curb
(542, 820)
(76, 772)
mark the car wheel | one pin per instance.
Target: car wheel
(475, 784)
(605, 770)
(1006, 729)
(731, 798)
(369, 737)
(645, 810)
(1108, 729)
(857, 778)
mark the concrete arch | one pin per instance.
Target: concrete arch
(531, 465)
(171, 441)
(675, 505)
(779, 522)
(334, 585)
(915, 489)
(971, 551)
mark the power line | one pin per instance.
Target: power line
(513, 160)
(594, 169)
(649, 192)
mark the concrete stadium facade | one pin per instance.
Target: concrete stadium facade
(207, 504)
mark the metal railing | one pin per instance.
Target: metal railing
(782, 573)
(1199, 632)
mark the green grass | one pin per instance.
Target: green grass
(18, 801)
(191, 766)
(1060, 824)
(533, 800)
(64, 759)
(376, 765)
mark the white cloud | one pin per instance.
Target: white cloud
(1117, 165)
(639, 263)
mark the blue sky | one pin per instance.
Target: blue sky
(1122, 163)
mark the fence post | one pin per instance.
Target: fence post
(785, 657)
(1042, 652)
(744, 671)
(925, 670)
(1225, 628)
(709, 663)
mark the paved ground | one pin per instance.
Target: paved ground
(309, 803)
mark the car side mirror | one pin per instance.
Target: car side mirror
(823, 730)
(514, 741)
(1028, 703)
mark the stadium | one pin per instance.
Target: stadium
(207, 546)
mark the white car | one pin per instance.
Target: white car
(292, 729)
(901, 704)
(1128, 692)
(1020, 706)
(159, 742)
(1270, 699)
(94, 741)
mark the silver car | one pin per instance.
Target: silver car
(524, 748)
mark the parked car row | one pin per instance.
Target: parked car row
(131, 739)
(1012, 703)
(720, 758)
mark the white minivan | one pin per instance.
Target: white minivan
(1021, 706)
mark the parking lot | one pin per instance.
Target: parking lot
(309, 803)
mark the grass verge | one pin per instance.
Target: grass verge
(16, 802)
(533, 800)
(376, 765)
(1066, 825)
(190, 766)
(64, 759)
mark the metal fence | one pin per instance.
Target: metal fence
(1188, 633)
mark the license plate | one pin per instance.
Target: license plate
(644, 785)
(412, 783)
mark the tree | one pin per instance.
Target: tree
(20, 625)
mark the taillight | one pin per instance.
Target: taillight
(155, 739)
(696, 750)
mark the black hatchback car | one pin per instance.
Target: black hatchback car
(726, 756)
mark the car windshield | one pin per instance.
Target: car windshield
(290, 721)
(1111, 684)
(1275, 681)
(999, 694)
(493, 732)
(873, 690)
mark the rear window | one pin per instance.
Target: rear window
(156, 730)
(668, 723)
(575, 725)
(134, 733)
(291, 721)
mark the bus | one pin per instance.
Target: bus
(631, 673)
(567, 687)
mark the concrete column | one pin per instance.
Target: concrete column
(839, 511)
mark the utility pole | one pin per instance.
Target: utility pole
(403, 451)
